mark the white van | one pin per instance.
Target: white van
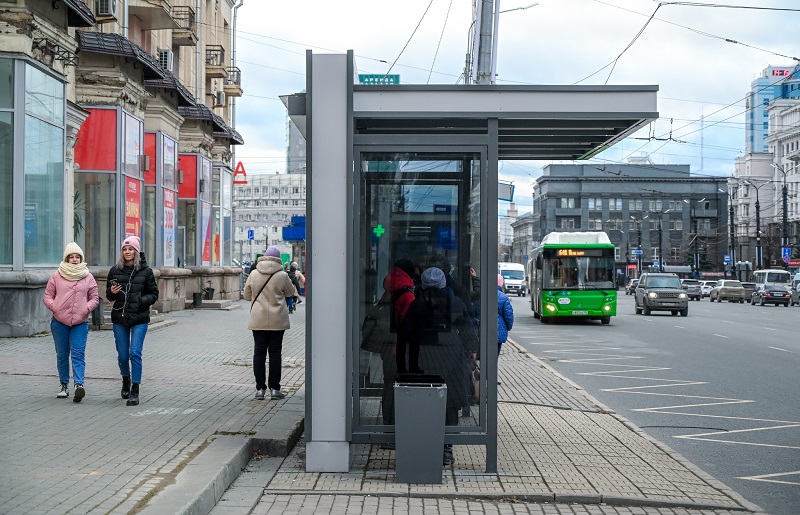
(773, 276)
(514, 278)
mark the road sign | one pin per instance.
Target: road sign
(655, 263)
(250, 235)
(378, 78)
(636, 252)
(787, 254)
(726, 259)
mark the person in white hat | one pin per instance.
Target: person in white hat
(71, 294)
(132, 287)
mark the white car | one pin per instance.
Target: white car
(706, 287)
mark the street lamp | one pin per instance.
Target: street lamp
(696, 259)
(758, 226)
(732, 231)
(785, 194)
(497, 13)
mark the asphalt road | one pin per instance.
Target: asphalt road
(719, 386)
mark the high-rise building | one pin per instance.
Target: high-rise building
(774, 82)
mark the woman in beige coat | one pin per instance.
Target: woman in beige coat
(267, 288)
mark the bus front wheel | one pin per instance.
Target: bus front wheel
(605, 320)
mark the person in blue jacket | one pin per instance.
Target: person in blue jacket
(505, 316)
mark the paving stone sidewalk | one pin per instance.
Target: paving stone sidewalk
(559, 450)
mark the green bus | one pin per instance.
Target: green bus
(571, 275)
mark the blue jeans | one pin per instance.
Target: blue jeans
(70, 341)
(290, 303)
(130, 341)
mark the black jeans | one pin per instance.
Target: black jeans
(267, 342)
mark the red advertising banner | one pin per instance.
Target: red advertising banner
(97, 141)
(169, 228)
(133, 201)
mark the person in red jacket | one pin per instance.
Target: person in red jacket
(399, 285)
(71, 294)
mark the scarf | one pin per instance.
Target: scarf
(72, 272)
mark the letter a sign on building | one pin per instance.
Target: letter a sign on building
(239, 175)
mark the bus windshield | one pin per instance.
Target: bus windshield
(781, 277)
(578, 273)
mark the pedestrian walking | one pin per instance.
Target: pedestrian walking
(132, 288)
(505, 316)
(268, 288)
(71, 294)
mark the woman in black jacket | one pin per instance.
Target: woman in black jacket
(132, 287)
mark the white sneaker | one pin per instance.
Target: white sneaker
(260, 394)
(63, 393)
(277, 394)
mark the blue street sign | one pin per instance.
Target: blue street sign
(787, 254)
(636, 252)
(726, 259)
(250, 235)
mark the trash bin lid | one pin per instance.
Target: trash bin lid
(419, 379)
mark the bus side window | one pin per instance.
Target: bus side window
(539, 263)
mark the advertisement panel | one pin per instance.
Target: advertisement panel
(133, 205)
(133, 146)
(206, 217)
(169, 227)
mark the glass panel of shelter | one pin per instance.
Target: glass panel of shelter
(419, 210)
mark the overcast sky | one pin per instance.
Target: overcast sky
(685, 50)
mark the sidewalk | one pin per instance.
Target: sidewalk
(198, 431)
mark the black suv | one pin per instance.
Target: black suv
(661, 292)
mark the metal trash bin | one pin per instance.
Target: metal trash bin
(197, 299)
(419, 403)
(99, 315)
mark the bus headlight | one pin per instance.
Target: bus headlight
(607, 308)
(551, 308)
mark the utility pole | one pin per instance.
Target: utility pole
(785, 228)
(759, 252)
(481, 73)
(696, 249)
(733, 238)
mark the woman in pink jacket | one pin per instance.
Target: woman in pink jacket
(71, 294)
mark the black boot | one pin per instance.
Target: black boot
(134, 397)
(126, 387)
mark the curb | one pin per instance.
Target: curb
(202, 483)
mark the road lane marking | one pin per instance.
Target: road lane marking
(765, 477)
(720, 335)
(784, 350)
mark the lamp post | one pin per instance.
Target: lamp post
(638, 256)
(696, 258)
(759, 252)
(785, 195)
(732, 232)
(485, 14)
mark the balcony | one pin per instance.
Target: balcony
(794, 155)
(215, 62)
(186, 33)
(232, 84)
(154, 14)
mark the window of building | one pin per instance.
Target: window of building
(285, 202)
(595, 224)
(295, 202)
(615, 204)
(635, 204)
(595, 203)
(676, 225)
(676, 205)
(655, 205)
(567, 223)
(43, 167)
(567, 202)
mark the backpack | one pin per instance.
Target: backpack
(294, 279)
(379, 323)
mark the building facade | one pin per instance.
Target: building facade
(265, 205)
(113, 122)
(655, 215)
(773, 83)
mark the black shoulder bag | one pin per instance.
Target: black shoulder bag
(262, 289)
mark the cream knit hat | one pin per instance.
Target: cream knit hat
(73, 248)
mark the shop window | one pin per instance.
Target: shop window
(95, 200)
(149, 224)
(6, 179)
(187, 218)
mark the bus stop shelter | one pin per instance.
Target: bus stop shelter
(410, 172)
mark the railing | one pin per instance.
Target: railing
(184, 16)
(234, 76)
(215, 55)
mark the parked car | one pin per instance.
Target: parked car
(692, 288)
(794, 298)
(727, 289)
(771, 294)
(749, 288)
(631, 288)
(706, 287)
(661, 292)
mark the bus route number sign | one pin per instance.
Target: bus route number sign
(570, 253)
